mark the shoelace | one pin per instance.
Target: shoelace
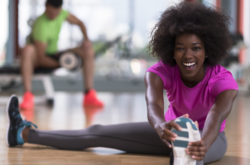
(28, 124)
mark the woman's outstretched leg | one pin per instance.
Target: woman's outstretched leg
(130, 137)
(137, 138)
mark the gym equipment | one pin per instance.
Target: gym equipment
(70, 61)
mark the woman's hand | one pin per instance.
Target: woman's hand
(197, 150)
(165, 133)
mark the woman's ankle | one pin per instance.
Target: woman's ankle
(25, 134)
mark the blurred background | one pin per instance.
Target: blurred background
(120, 32)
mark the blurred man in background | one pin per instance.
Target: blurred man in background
(41, 51)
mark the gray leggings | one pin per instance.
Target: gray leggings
(138, 138)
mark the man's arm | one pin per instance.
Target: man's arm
(76, 21)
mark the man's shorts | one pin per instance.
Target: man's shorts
(54, 56)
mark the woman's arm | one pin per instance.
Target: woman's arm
(218, 113)
(155, 108)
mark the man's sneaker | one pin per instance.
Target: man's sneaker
(91, 100)
(189, 133)
(90, 113)
(28, 101)
(27, 114)
(16, 123)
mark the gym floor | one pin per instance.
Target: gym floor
(120, 107)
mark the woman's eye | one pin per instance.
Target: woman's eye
(179, 48)
(196, 48)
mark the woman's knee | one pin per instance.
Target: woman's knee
(217, 150)
(94, 128)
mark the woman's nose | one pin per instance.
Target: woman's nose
(188, 53)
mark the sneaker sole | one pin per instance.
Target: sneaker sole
(188, 133)
(7, 111)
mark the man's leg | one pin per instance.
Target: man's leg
(30, 60)
(138, 138)
(87, 55)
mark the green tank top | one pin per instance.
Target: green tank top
(47, 30)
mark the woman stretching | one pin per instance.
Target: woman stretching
(190, 40)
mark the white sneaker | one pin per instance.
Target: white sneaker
(189, 133)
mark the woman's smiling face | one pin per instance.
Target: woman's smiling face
(189, 54)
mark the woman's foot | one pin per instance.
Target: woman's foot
(189, 133)
(16, 123)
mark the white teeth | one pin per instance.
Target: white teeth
(189, 63)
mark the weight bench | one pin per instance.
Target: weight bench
(43, 74)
